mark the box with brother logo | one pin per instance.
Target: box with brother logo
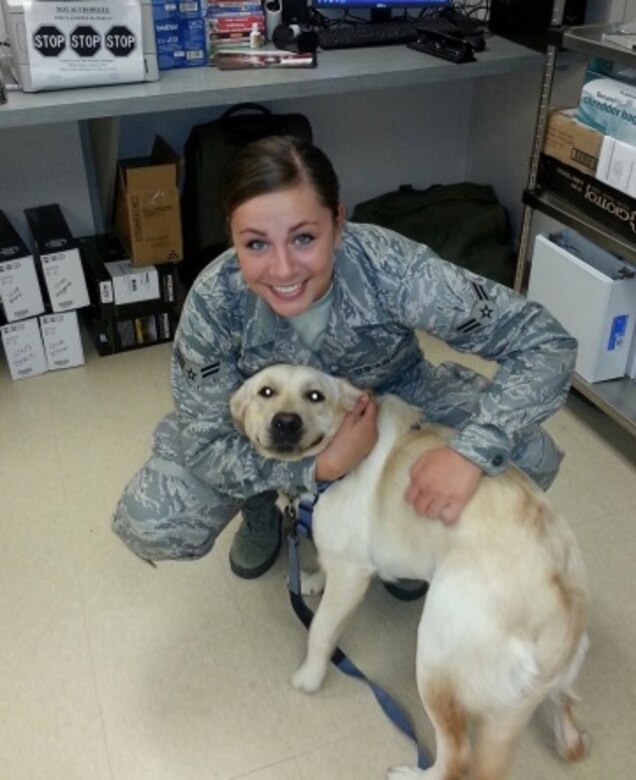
(20, 292)
(147, 208)
(58, 257)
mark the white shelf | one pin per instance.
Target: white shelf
(338, 72)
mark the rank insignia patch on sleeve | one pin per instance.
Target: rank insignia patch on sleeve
(483, 311)
(194, 372)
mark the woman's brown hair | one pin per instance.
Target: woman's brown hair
(277, 163)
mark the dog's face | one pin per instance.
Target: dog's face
(291, 412)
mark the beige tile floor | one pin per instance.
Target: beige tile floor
(110, 670)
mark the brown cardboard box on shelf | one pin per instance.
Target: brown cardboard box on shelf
(147, 209)
(571, 142)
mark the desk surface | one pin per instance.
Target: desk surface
(338, 72)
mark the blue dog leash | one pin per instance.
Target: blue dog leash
(301, 524)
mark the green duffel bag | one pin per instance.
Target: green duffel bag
(463, 223)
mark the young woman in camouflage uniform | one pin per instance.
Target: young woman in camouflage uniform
(302, 285)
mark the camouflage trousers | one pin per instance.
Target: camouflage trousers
(165, 512)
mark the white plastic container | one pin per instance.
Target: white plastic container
(593, 295)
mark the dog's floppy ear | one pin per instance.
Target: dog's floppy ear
(349, 394)
(238, 405)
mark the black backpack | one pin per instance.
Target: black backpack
(207, 151)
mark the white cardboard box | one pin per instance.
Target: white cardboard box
(591, 293)
(20, 289)
(23, 347)
(133, 284)
(64, 279)
(62, 340)
(617, 165)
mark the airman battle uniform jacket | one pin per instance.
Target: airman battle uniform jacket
(385, 287)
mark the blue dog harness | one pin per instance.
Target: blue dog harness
(301, 521)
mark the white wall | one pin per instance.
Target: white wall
(41, 165)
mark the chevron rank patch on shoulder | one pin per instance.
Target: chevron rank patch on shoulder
(194, 372)
(483, 311)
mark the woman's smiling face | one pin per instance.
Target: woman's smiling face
(285, 243)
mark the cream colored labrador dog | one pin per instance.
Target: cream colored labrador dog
(504, 622)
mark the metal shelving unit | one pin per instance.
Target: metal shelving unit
(617, 398)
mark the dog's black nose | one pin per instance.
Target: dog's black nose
(286, 427)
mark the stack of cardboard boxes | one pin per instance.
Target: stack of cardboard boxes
(589, 160)
(41, 294)
(125, 283)
(132, 272)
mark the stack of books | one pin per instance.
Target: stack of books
(229, 24)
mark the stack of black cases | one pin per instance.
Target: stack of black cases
(132, 306)
(41, 292)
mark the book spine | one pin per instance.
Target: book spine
(235, 23)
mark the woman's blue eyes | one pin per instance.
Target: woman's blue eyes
(258, 245)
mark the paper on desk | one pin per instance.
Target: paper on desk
(82, 44)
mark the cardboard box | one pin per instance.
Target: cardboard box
(181, 43)
(20, 292)
(593, 294)
(22, 56)
(606, 205)
(605, 158)
(178, 9)
(23, 347)
(147, 209)
(59, 258)
(117, 287)
(617, 165)
(571, 142)
(62, 340)
(121, 334)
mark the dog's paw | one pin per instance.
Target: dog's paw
(308, 679)
(576, 749)
(312, 583)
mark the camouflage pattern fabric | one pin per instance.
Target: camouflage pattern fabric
(385, 287)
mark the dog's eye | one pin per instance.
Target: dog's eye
(315, 396)
(266, 392)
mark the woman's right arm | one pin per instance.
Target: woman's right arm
(204, 374)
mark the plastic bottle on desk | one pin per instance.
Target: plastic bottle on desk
(256, 37)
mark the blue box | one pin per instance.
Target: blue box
(164, 10)
(181, 43)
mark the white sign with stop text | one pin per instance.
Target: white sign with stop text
(84, 42)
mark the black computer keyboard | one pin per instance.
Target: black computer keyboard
(351, 36)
